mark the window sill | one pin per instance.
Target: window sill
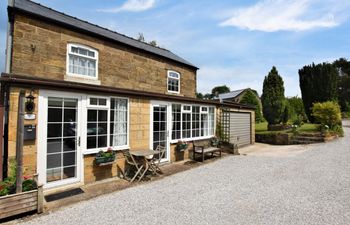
(82, 79)
(191, 139)
(173, 92)
(95, 151)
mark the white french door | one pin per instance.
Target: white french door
(59, 131)
(160, 127)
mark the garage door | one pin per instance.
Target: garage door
(240, 131)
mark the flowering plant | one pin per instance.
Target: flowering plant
(182, 145)
(106, 154)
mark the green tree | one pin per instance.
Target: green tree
(318, 83)
(207, 96)
(220, 90)
(153, 43)
(273, 100)
(343, 67)
(199, 95)
(251, 98)
(297, 110)
(140, 37)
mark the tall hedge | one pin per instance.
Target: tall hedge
(251, 98)
(343, 67)
(318, 83)
(273, 100)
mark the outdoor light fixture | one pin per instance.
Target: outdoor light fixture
(30, 105)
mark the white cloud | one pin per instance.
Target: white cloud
(288, 15)
(132, 6)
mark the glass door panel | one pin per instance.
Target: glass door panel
(160, 127)
(61, 154)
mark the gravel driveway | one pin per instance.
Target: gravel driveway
(270, 185)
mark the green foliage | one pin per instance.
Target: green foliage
(220, 133)
(29, 185)
(318, 83)
(220, 90)
(107, 154)
(327, 114)
(153, 43)
(8, 186)
(251, 98)
(297, 110)
(343, 67)
(287, 114)
(273, 100)
(199, 95)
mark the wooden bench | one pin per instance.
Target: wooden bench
(203, 147)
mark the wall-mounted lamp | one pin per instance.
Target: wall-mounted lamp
(30, 105)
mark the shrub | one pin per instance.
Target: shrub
(273, 100)
(297, 109)
(328, 113)
(251, 97)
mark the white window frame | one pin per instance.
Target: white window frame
(183, 110)
(204, 111)
(98, 106)
(107, 107)
(69, 52)
(121, 147)
(190, 111)
(178, 79)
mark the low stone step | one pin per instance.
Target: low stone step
(308, 138)
(303, 142)
(311, 134)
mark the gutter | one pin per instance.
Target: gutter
(30, 82)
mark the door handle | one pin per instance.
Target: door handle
(79, 141)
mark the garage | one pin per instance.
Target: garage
(237, 127)
(240, 128)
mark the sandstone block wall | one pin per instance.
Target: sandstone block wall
(40, 49)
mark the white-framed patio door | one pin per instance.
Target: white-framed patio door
(59, 131)
(160, 127)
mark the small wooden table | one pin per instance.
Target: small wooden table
(143, 154)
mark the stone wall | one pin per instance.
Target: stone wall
(139, 139)
(40, 49)
(29, 147)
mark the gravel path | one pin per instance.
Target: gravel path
(278, 185)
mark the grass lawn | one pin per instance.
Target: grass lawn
(307, 127)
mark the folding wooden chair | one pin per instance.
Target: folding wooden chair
(130, 160)
(154, 161)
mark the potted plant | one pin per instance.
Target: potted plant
(181, 145)
(105, 157)
(214, 141)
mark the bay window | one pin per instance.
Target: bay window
(192, 121)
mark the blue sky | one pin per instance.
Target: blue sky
(233, 42)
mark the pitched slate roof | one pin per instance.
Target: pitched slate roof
(41, 11)
(232, 94)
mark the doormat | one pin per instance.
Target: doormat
(65, 194)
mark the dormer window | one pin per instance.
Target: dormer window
(82, 61)
(173, 82)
